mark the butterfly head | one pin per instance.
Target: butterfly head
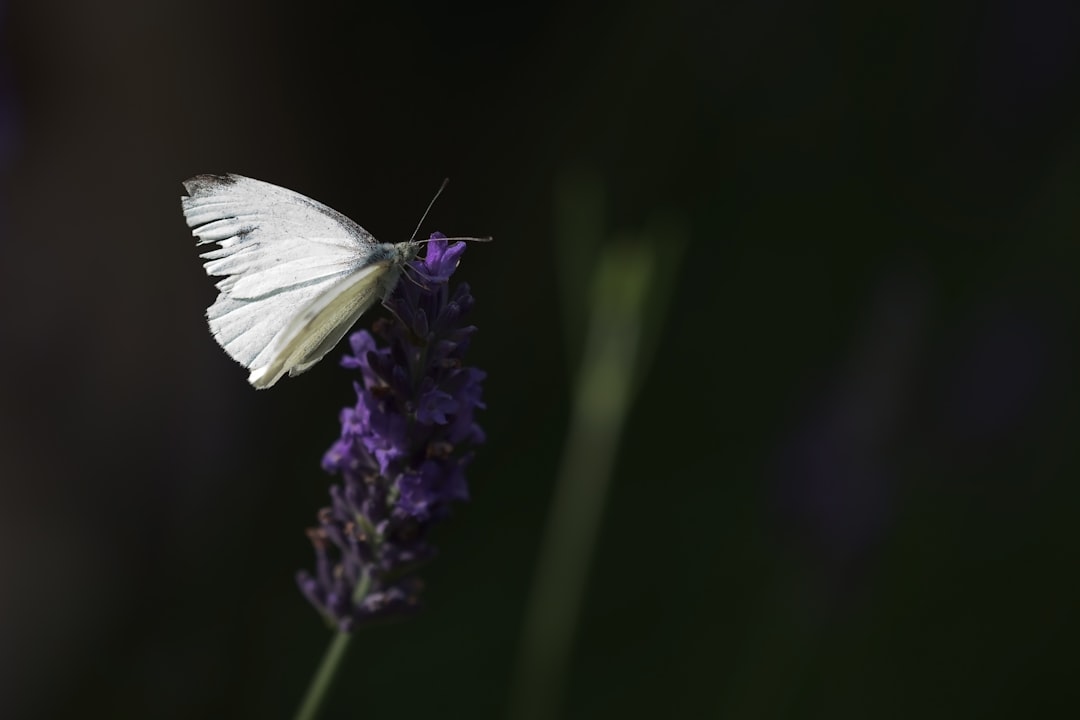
(408, 251)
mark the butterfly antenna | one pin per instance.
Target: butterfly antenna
(455, 239)
(423, 217)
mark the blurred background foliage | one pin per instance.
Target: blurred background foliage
(846, 485)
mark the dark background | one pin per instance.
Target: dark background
(847, 489)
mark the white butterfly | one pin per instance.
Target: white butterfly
(296, 274)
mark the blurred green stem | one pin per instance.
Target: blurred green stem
(316, 692)
(331, 661)
(601, 400)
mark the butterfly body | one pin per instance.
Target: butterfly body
(296, 274)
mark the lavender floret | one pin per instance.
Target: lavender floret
(403, 448)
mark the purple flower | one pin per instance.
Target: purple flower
(403, 447)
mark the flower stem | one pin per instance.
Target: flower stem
(320, 683)
(600, 407)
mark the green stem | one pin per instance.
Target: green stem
(324, 676)
(601, 403)
(316, 692)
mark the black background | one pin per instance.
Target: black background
(848, 488)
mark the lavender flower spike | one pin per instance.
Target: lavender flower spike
(403, 447)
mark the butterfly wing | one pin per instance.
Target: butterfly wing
(320, 325)
(278, 251)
